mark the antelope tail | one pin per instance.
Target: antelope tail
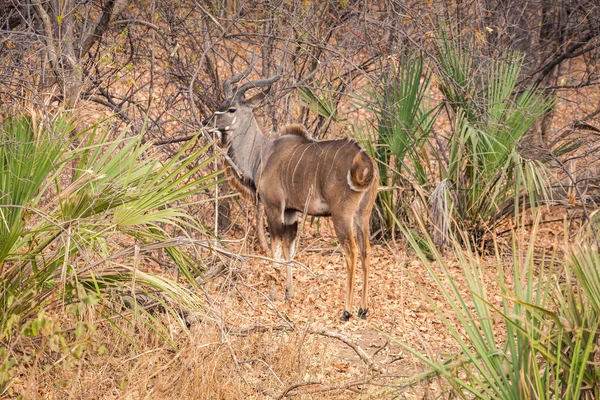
(361, 172)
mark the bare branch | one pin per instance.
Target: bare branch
(296, 386)
(48, 36)
(97, 29)
(236, 78)
(571, 52)
(350, 343)
(135, 21)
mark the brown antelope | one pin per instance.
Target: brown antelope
(295, 174)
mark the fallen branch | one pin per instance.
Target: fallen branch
(296, 386)
(258, 360)
(247, 331)
(364, 356)
(350, 343)
(342, 386)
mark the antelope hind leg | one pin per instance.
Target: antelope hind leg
(344, 234)
(362, 234)
(350, 251)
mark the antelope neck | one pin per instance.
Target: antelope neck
(249, 149)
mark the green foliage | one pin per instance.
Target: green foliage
(483, 172)
(323, 104)
(62, 232)
(537, 342)
(584, 260)
(6, 368)
(491, 120)
(396, 138)
(457, 73)
(28, 155)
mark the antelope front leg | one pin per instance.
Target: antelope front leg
(260, 228)
(282, 243)
(289, 248)
(277, 248)
(277, 245)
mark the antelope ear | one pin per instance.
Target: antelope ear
(257, 99)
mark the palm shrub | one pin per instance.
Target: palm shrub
(492, 116)
(537, 342)
(398, 133)
(77, 241)
(28, 156)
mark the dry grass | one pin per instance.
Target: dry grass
(231, 353)
(251, 343)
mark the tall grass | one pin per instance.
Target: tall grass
(538, 341)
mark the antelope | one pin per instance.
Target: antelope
(294, 174)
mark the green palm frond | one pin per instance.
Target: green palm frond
(584, 261)
(398, 134)
(322, 104)
(28, 155)
(538, 341)
(120, 191)
(490, 125)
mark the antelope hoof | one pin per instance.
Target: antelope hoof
(289, 294)
(345, 316)
(362, 314)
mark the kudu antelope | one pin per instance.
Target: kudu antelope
(295, 174)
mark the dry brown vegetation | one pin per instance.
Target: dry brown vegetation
(251, 343)
(158, 66)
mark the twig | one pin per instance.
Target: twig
(350, 343)
(343, 386)
(279, 314)
(580, 195)
(529, 224)
(140, 355)
(302, 340)
(173, 242)
(244, 298)
(571, 52)
(381, 348)
(247, 331)
(174, 140)
(167, 365)
(265, 364)
(49, 37)
(225, 339)
(296, 386)
(277, 262)
(147, 24)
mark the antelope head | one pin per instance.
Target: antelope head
(235, 116)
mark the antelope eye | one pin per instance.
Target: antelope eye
(231, 110)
